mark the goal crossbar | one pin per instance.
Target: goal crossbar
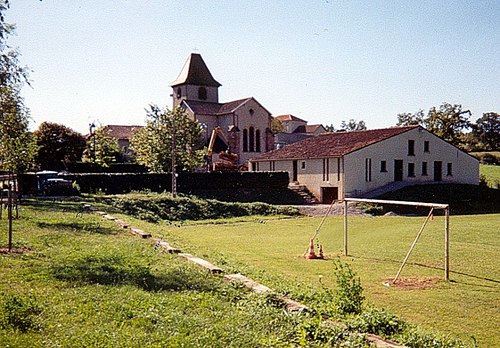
(444, 207)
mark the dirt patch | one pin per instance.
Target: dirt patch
(414, 283)
(15, 251)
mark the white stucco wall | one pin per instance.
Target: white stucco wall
(465, 169)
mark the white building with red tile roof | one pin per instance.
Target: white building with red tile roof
(353, 164)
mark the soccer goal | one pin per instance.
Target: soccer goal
(431, 206)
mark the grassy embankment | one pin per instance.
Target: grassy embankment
(491, 174)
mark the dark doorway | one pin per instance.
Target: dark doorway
(294, 171)
(398, 170)
(438, 170)
(329, 194)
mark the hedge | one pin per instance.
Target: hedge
(189, 183)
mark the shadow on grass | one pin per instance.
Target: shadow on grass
(78, 227)
(113, 270)
(431, 267)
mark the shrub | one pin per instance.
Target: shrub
(19, 312)
(377, 321)
(156, 207)
(349, 292)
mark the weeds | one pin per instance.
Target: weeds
(19, 312)
(349, 292)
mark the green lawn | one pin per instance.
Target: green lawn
(84, 282)
(97, 285)
(492, 175)
(271, 251)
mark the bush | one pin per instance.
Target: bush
(349, 292)
(155, 207)
(19, 312)
(378, 322)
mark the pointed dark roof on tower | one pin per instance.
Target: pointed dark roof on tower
(195, 72)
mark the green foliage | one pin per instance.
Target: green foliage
(316, 330)
(349, 292)
(101, 149)
(277, 126)
(409, 119)
(154, 207)
(377, 321)
(490, 175)
(19, 312)
(352, 125)
(17, 146)
(153, 144)
(487, 131)
(57, 146)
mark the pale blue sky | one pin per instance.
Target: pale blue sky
(324, 61)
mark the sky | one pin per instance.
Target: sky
(324, 61)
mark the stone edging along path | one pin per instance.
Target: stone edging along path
(290, 304)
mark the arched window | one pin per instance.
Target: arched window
(257, 140)
(251, 140)
(245, 140)
(202, 93)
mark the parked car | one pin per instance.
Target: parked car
(49, 183)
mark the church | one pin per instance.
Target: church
(245, 123)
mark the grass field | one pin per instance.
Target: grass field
(469, 305)
(491, 174)
(97, 285)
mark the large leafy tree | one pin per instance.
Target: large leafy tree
(17, 145)
(152, 144)
(486, 131)
(409, 119)
(57, 146)
(448, 121)
(101, 149)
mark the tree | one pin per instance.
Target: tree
(408, 119)
(17, 145)
(486, 131)
(448, 122)
(330, 128)
(352, 125)
(277, 126)
(57, 146)
(152, 144)
(101, 148)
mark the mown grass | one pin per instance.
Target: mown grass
(97, 285)
(466, 307)
(83, 282)
(491, 175)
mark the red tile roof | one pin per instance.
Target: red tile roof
(333, 144)
(121, 132)
(289, 117)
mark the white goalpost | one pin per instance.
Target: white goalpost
(432, 206)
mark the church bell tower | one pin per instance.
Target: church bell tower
(195, 83)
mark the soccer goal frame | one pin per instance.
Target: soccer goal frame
(432, 207)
